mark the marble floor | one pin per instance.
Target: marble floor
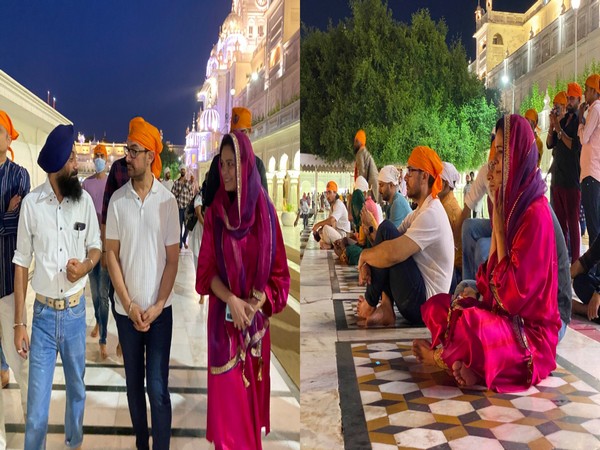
(107, 424)
(362, 388)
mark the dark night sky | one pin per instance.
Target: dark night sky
(459, 14)
(108, 61)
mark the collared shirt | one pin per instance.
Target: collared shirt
(55, 232)
(14, 180)
(478, 189)
(117, 177)
(589, 135)
(144, 230)
(183, 192)
(398, 210)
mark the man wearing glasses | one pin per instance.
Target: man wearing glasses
(411, 263)
(58, 225)
(141, 243)
(337, 225)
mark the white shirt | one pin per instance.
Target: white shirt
(47, 229)
(428, 227)
(589, 135)
(479, 188)
(340, 213)
(168, 184)
(144, 230)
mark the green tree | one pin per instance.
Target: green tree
(402, 83)
(169, 159)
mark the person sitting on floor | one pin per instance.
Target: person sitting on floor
(450, 177)
(414, 262)
(586, 283)
(505, 335)
(337, 225)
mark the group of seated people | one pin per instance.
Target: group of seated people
(501, 324)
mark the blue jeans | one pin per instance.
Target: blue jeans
(99, 287)
(51, 332)
(3, 363)
(156, 345)
(590, 199)
(476, 242)
(183, 233)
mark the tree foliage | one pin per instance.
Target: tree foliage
(402, 83)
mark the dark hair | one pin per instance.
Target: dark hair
(430, 180)
(227, 140)
(500, 125)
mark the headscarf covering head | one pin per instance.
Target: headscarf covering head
(100, 149)
(332, 186)
(167, 170)
(6, 123)
(148, 136)
(561, 98)
(57, 150)
(593, 81)
(450, 174)
(427, 160)
(361, 137)
(574, 90)
(241, 119)
(389, 174)
(522, 181)
(361, 184)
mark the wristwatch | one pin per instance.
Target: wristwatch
(559, 135)
(256, 294)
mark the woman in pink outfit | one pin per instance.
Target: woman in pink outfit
(243, 268)
(504, 335)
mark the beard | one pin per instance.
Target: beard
(69, 186)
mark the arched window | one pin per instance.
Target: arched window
(497, 39)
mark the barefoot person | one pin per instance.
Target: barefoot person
(414, 262)
(505, 335)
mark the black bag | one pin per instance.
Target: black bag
(189, 217)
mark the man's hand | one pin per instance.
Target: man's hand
(576, 269)
(76, 269)
(14, 203)
(366, 218)
(593, 306)
(21, 341)
(364, 274)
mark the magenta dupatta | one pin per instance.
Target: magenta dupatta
(249, 209)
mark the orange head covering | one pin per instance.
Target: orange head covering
(332, 186)
(492, 150)
(574, 90)
(100, 149)
(361, 137)
(561, 98)
(241, 118)
(593, 81)
(148, 136)
(427, 160)
(6, 123)
(532, 115)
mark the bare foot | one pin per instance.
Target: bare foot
(363, 309)
(464, 376)
(103, 351)
(95, 331)
(5, 377)
(384, 315)
(423, 351)
(119, 351)
(325, 246)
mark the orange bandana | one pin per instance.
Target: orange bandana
(427, 160)
(148, 136)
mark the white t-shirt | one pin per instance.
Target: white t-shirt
(479, 188)
(340, 213)
(429, 227)
(143, 230)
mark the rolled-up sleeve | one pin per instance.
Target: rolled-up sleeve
(24, 251)
(478, 189)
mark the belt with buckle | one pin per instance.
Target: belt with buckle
(60, 303)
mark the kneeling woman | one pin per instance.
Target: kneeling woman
(243, 268)
(504, 335)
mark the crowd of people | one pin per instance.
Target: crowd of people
(125, 231)
(504, 283)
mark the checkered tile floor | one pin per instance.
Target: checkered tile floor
(408, 405)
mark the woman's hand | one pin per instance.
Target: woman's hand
(239, 312)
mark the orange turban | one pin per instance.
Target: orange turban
(332, 186)
(427, 160)
(574, 90)
(561, 98)
(492, 151)
(532, 115)
(593, 81)
(361, 137)
(100, 149)
(241, 118)
(148, 136)
(6, 123)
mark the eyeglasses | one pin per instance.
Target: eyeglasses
(133, 152)
(330, 192)
(410, 170)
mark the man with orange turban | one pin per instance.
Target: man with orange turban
(337, 225)
(564, 187)
(532, 117)
(364, 163)
(15, 185)
(411, 263)
(589, 136)
(142, 236)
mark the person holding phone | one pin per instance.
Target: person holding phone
(243, 268)
(58, 225)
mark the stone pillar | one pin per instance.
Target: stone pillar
(270, 176)
(279, 191)
(294, 194)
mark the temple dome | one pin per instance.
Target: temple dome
(209, 120)
(232, 25)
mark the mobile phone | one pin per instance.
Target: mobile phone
(228, 316)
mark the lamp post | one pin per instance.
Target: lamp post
(575, 4)
(506, 81)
